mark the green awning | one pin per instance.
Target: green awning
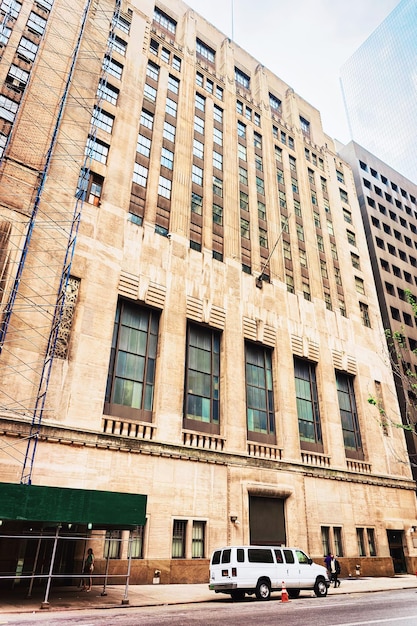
(37, 503)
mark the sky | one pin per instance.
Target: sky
(303, 42)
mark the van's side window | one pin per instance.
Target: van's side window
(278, 556)
(302, 557)
(260, 555)
(240, 555)
(226, 556)
(289, 556)
(216, 557)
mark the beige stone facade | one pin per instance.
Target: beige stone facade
(237, 240)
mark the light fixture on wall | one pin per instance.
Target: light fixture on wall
(233, 519)
(413, 529)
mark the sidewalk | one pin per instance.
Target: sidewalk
(70, 598)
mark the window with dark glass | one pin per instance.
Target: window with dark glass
(202, 379)
(349, 415)
(131, 377)
(178, 539)
(307, 404)
(259, 392)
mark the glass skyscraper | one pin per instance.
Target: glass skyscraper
(379, 84)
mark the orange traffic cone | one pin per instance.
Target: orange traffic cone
(284, 593)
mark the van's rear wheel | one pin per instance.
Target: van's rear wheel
(237, 595)
(320, 588)
(263, 589)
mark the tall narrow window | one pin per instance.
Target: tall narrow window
(370, 533)
(112, 544)
(338, 544)
(259, 393)
(178, 539)
(197, 546)
(202, 379)
(349, 415)
(325, 540)
(307, 405)
(131, 378)
(136, 544)
(361, 541)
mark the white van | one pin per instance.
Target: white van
(238, 570)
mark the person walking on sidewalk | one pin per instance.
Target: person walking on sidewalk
(334, 566)
(88, 570)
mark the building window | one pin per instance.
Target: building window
(169, 131)
(261, 210)
(307, 402)
(94, 189)
(112, 67)
(263, 238)
(260, 186)
(140, 174)
(164, 187)
(196, 203)
(338, 544)
(217, 186)
(204, 51)
(218, 114)
(274, 103)
(102, 119)
(243, 175)
(344, 196)
(259, 390)
(149, 92)
(198, 540)
(217, 214)
(257, 140)
(278, 154)
(305, 126)
(136, 544)
(117, 44)
(359, 285)
(348, 413)
(198, 125)
(167, 158)
(178, 539)
(244, 200)
(171, 107)
(202, 375)
(217, 160)
(11, 8)
(244, 228)
(130, 383)
(36, 23)
(351, 237)
(97, 150)
(107, 92)
(360, 541)
(197, 175)
(365, 314)
(370, 533)
(217, 136)
(325, 540)
(242, 79)
(164, 21)
(289, 281)
(112, 544)
(8, 108)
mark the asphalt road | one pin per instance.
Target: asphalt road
(397, 608)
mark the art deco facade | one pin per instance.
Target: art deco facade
(220, 335)
(388, 203)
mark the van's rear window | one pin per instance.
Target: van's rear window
(259, 555)
(216, 557)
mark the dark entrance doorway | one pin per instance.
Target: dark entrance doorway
(396, 549)
(266, 521)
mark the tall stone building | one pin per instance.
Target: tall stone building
(388, 203)
(220, 333)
